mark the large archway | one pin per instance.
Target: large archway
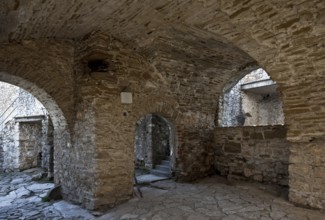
(26, 132)
(57, 120)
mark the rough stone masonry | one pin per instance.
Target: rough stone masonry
(175, 57)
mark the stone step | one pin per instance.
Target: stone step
(163, 168)
(160, 173)
(167, 158)
(165, 162)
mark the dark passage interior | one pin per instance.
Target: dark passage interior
(153, 145)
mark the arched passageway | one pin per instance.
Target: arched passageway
(45, 127)
(193, 48)
(26, 132)
(155, 146)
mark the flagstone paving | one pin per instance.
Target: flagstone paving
(211, 198)
(21, 198)
(208, 199)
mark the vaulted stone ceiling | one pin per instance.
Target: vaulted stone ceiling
(141, 23)
(286, 37)
(171, 34)
(143, 20)
(258, 27)
(72, 19)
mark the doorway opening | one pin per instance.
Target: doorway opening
(154, 147)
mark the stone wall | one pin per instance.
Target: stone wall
(307, 174)
(17, 102)
(10, 147)
(93, 131)
(45, 68)
(9, 94)
(190, 45)
(1, 155)
(26, 143)
(49, 150)
(143, 143)
(230, 108)
(114, 122)
(159, 84)
(195, 154)
(254, 153)
(262, 109)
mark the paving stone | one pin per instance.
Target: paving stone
(241, 200)
(21, 198)
(17, 181)
(129, 216)
(208, 199)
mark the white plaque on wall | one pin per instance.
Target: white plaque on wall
(126, 97)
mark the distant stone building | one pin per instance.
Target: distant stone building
(25, 131)
(16, 102)
(252, 101)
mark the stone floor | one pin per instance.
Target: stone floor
(211, 198)
(21, 197)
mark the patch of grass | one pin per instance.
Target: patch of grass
(46, 199)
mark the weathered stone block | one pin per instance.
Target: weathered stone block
(257, 136)
(259, 160)
(232, 147)
(276, 133)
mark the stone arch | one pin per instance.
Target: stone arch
(56, 114)
(61, 133)
(165, 108)
(277, 36)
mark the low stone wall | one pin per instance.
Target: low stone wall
(255, 153)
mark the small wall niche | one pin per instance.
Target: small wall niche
(98, 65)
